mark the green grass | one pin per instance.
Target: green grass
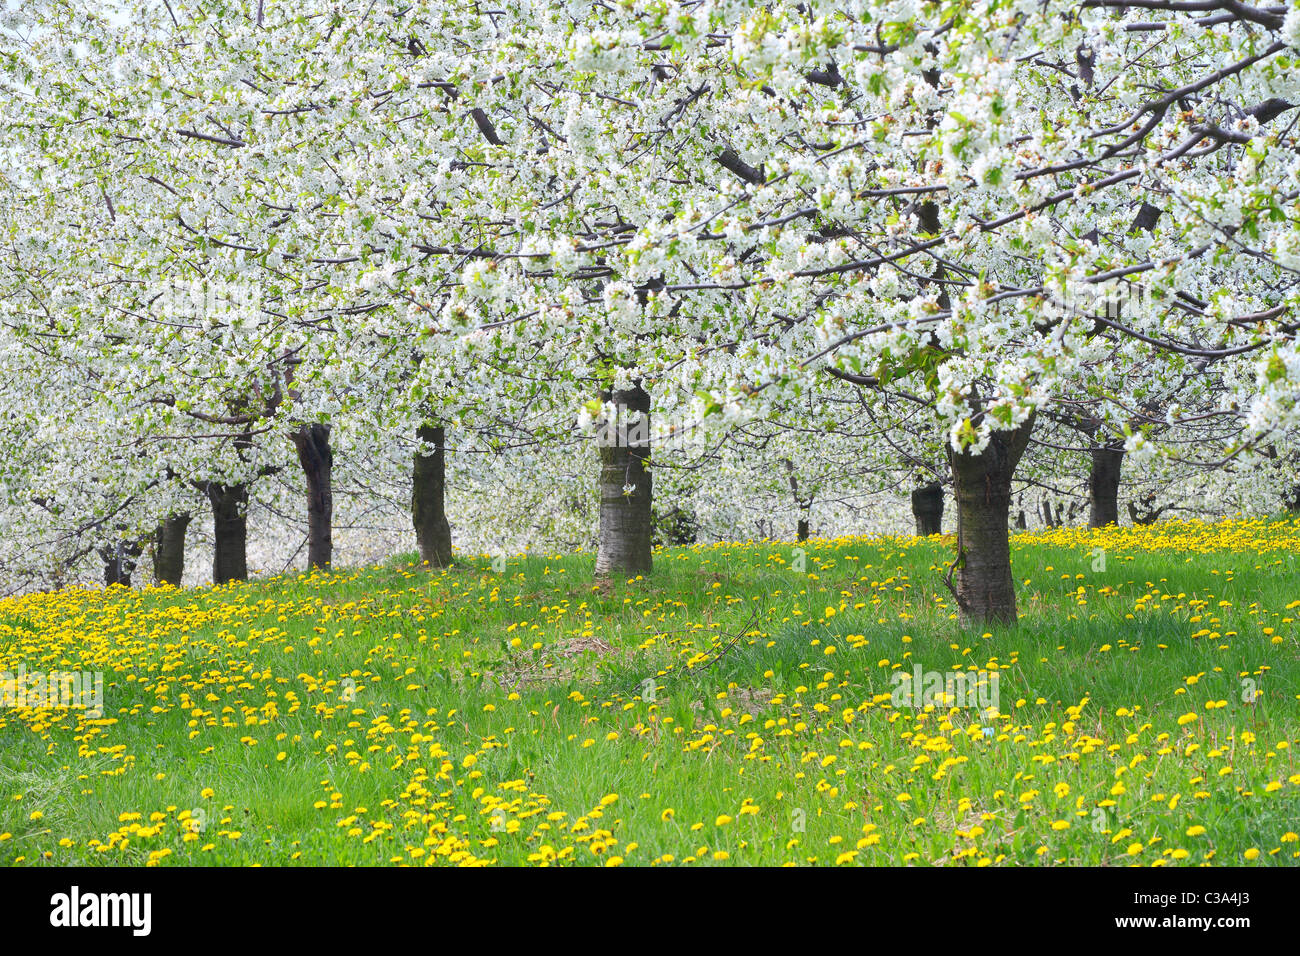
(457, 746)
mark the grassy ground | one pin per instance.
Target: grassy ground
(740, 705)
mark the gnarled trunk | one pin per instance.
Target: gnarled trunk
(317, 460)
(1103, 486)
(625, 539)
(927, 508)
(428, 498)
(229, 531)
(169, 549)
(1150, 513)
(984, 588)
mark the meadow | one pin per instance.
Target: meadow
(738, 706)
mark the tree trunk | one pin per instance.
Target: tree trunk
(927, 508)
(229, 531)
(169, 549)
(677, 527)
(985, 590)
(119, 562)
(1103, 487)
(317, 460)
(428, 498)
(625, 541)
(1150, 513)
(1045, 507)
(805, 504)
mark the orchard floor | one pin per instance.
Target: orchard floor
(735, 707)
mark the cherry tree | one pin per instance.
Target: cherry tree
(684, 213)
(921, 195)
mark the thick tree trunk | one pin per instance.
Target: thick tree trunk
(927, 508)
(1103, 487)
(229, 531)
(625, 540)
(984, 588)
(169, 549)
(113, 568)
(119, 562)
(428, 498)
(317, 460)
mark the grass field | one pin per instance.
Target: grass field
(738, 706)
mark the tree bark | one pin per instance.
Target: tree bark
(119, 562)
(1103, 486)
(428, 498)
(229, 531)
(985, 590)
(677, 527)
(625, 539)
(802, 528)
(169, 549)
(317, 461)
(927, 508)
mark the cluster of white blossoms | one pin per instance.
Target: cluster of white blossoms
(1291, 28)
(402, 212)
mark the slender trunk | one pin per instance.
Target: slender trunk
(927, 508)
(229, 531)
(625, 493)
(317, 460)
(985, 590)
(169, 549)
(1291, 497)
(804, 504)
(428, 498)
(1103, 487)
